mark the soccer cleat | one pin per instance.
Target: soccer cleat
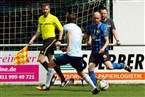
(98, 80)
(54, 78)
(64, 83)
(43, 88)
(127, 68)
(95, 91)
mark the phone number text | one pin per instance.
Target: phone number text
(17, 77)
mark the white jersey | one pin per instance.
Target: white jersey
(76, 39)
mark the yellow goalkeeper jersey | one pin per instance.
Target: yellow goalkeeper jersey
(46, 26)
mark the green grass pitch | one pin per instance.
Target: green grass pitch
(115, 90)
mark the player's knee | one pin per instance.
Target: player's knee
(109, 67)
(40, 60)
(80, 73)
(91, 67)
(51, 64)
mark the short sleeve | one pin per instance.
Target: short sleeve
(112, 24)
(104, 30)
(38, 27)
(65, 28)
(58, 24)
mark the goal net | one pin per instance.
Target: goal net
(18, 18)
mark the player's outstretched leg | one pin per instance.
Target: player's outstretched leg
(127, 68)
(121, 66)
(89, 81)
(64, 82)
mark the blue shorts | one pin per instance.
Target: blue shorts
(75, 62)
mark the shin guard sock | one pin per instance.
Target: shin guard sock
(58, 71)
(49, 76)
(118, 66)
(93, 77)
(89, 81)
(45, 65)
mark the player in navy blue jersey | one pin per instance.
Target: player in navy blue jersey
(99, 53)
(110, 25)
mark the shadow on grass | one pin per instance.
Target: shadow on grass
(35, 95)
(71, 90)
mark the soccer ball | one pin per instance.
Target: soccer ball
(102, 85)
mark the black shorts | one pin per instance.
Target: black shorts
(99, 58)
(48, 46)
(75, 62)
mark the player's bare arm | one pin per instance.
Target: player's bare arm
(105, 45)
(69, 38)
(34, 37)
(58, 43)
(114, 32)
(89, 41)
(85, 36)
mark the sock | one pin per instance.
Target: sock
(93, 77)
(49, 76)
(118, 66)
(58, 71)
(89, 81)
(45, 65)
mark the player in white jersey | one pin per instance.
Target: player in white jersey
(73, 54)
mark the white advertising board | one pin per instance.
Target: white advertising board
(34, 73)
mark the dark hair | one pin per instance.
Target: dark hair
(71, 18)
(44, 5)
(103, 8)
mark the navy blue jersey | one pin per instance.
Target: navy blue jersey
(110, 25)
(97, 33)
